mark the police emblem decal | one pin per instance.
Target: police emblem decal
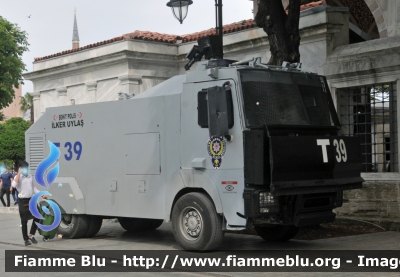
(216, 147)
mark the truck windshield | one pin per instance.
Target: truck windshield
(284, 98)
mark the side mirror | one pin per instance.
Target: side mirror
(217, 112)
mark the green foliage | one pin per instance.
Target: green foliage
(8, 163)
(26, 103)
(380, 93)
(12, 139)
(13, 43)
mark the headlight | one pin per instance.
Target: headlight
(266, 198)
(268, 203)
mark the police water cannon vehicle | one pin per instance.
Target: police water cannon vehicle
(226, 147)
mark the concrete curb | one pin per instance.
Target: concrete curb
(387, 224)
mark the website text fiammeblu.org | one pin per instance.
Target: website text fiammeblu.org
(238, 262)
(216, 261)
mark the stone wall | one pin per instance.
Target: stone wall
(377, 201)
(372, 62)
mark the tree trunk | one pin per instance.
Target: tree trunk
(282, 29)
(15, 167)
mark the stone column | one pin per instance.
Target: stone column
(130, 84)
(62, 95)
(335, 98)
(36, 104)
(397, 129)
(91, 89)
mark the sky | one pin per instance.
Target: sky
(50, 24)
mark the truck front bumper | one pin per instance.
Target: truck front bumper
(262, 207)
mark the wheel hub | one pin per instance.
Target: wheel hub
(192, 223)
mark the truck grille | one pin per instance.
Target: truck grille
(317, 200)
(36, 148)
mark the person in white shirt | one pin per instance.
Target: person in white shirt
(23, 182)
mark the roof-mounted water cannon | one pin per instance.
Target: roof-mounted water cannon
(292, 65)
(209, 47)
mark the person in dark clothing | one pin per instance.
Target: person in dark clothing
(6, 179)
(23, 182)
(14, 192)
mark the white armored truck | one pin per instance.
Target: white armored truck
(226, 147)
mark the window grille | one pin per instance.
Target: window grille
(369, 112)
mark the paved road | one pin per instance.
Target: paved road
(114, 237)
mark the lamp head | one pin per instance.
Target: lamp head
(180, 8)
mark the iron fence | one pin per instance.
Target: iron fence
(370, 113)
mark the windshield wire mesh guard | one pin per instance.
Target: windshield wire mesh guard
(370, 113)
(284, 99)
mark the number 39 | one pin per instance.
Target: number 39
(71, 149)
(341, 153)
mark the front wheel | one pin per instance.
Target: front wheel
(277, 232)
(195, 223)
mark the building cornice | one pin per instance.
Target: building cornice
(106, 60)
(35, 95)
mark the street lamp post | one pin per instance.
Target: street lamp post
(219, 28)
(180, 9)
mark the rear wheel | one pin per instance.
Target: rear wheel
(277, 232)
(74, 226)
(195, 223)
(94, 227)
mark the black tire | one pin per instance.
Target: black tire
(195, 223)
(135, 224)
(94, 227)
(156, 223)
(277, 232)
(80, 225)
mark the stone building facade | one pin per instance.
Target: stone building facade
(356, 44)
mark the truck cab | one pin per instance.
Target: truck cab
(284, 165)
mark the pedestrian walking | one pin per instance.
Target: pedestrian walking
(6, 179)
(14, 192)
(23, 182)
